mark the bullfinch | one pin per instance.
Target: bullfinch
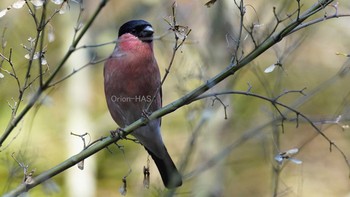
(131, 80)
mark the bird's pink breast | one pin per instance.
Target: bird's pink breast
(131, 80)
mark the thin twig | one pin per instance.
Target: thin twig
(177, 29)
(41, 32)
(239, 38)
(91, 62)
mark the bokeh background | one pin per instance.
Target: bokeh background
(217, 156)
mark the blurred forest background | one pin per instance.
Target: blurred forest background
(218, 156)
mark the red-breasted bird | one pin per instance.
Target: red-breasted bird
(131, 79)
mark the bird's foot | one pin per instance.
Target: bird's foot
(146, 114)
(119, 132)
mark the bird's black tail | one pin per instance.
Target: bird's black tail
(167, 169)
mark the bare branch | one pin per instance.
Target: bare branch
(297, 113)
(216, 98)
(45, 84)
(183, 31)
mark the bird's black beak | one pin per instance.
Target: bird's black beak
(147, 34)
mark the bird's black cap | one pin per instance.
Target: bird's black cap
(139, 28)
